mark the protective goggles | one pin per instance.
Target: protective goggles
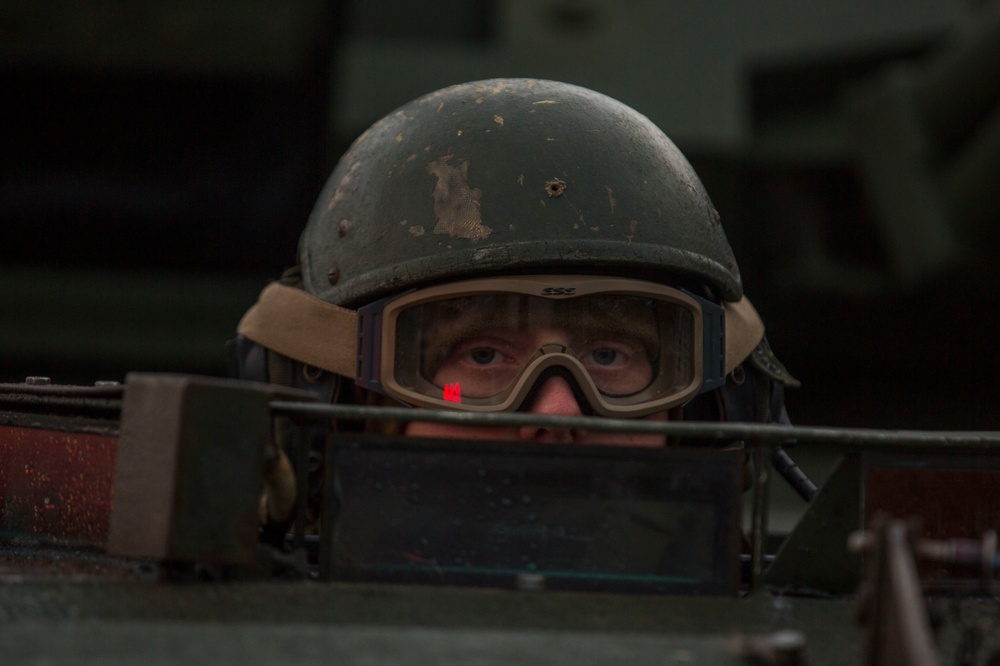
(628, 348)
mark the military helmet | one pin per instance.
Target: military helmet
(511, 176)
(497, 178)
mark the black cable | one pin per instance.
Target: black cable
(796, 478)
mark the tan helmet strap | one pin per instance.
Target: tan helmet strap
(744, 331)
(296, 324)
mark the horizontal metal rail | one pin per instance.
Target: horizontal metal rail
(750, 432)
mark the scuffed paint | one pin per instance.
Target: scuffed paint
(498, 119)
(493, 87)
(632, 226)
(417, 230)
(344, 185)
(611, 199)
(456, 204)
(555, 187)
(56, 485)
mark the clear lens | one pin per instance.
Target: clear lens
(632, 348)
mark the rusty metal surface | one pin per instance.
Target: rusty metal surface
(56, 485)
(951, 502)
(949, 497)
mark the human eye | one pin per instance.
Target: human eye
(480, 354)
(607, 356)
(609, 349)
(482, 364)
(473, 349)
(617, 364)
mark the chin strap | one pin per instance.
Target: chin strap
(755, 393)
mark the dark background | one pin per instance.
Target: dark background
(159, 160)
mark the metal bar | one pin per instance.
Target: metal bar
(301, 452)
(761, 456)
(849, 438)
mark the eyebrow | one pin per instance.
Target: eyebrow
(450, 323)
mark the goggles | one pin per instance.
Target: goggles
(627, 347)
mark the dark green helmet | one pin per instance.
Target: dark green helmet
(511, 176)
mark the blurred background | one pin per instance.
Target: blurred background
(159, 159)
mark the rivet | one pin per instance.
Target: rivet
(344, 227)
(37, 381)
(333, 275)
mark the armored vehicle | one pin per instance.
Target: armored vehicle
(131, 512)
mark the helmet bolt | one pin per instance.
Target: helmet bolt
(333, 275)
(344, 227)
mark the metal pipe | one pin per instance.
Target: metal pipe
(761, 497)
(849, 438)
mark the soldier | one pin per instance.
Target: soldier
(517, 245)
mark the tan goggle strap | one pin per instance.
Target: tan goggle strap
(744, 331)
(296, 324)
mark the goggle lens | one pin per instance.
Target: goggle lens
(483, 344)
(631, 347)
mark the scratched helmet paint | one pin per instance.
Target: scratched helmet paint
(511, 176)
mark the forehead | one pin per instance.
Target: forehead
(608, 314)
(524, 303)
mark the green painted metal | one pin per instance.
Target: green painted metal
(814, 557)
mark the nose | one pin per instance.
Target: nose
(553, 398)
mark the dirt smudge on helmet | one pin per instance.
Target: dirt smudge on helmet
(456, 204)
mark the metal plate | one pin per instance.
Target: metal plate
(600, 518)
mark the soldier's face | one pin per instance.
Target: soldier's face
(554, 397)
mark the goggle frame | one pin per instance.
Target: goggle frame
(375, 368)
